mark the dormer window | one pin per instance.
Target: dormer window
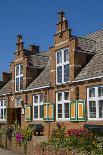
(62, 66)
(19, 77)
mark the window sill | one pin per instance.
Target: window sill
(95, 119)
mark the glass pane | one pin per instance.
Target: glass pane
(1, 113)
(59, 57)
(18, 102)
(59, 110)
(92, 92)
(1, 103)
(35, 111)
(59, 96)
(17, 84)
(4, 113)
(92, 109)
(17, 70)
(100, 91)
(41, 111)
(35, 99)
(21, 69)
(66, 72)
(66, 55)
(4, 103)
(21, 83)
(59, 74)
(101, 109)
(66, 109)
(41, 98)
(66, 96)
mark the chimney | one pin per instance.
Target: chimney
(6, 76)
(34, 48)
(19, 44)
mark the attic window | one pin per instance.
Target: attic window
(62, 66)
(19, 77)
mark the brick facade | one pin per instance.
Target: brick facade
(31, 72)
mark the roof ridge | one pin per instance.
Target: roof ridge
(87, 35)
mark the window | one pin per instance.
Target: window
(19, 77)
(2, 110)
(18, 102)
(62, 105)
(38, 107)
(62, 66)
(95, 103)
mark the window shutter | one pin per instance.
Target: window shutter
(77, 110)
(49, 112)
(45, 111)
(28, 112)
(73, 111)
(81, 110)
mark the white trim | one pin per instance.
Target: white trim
(61, 43)
(88, 79)
(37, 88)
(38, 105)
(3, 107)
(18, 76)
(96, 99)
(62, 102)
(61, 64)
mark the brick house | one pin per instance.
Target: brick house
(63, 84)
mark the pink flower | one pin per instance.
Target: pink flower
(19, 137)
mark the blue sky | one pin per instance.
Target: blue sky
(36, 21)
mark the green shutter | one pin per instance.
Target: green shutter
(48, 112)
(81, 110)
(28, 112)
(77, 110)
(73, 111)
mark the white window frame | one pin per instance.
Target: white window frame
(97, 98)
(61, 64)
(62, 102)
(2, 107)
(20, 100)
(38, 105)
(18, 76)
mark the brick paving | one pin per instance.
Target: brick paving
(8, 152)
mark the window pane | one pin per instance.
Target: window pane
(17, 70)
(4, 103)
(66, 110)
(35, 111)
(59, 96)
(35, 99)
(100, 91)
(18, 102)
(1, 103)
(41, 98)
(17, 84)
(66, 55)
(21, 83)
(21, 69)
(92, 109)
(1, 113)
(41, 111)
(66, 72)
(59, 74)
(101, 109)
(59, 110)
(59, 57)
(4, 113)
(92, 92)
(66, 96)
